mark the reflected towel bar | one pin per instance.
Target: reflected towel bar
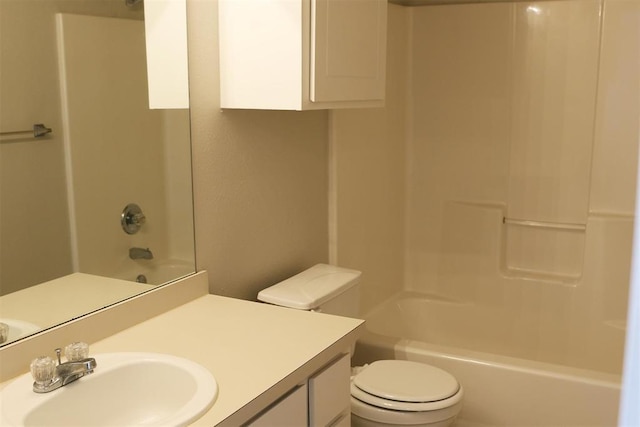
(542, 224)
(38, 130)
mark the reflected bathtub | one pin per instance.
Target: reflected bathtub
(155, 272)
(499, 390)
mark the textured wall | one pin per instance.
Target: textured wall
(260, 179)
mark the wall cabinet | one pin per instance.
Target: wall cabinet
(302, 54)
(324, 400)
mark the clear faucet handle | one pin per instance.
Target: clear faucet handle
(76, 351)
(43, 369)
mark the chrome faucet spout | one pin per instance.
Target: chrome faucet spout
(71, 371)
(140, 253)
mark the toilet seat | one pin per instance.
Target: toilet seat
(403, 385)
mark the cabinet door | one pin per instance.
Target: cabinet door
(330, 395)
(291, 411)
(348, 50)
(261, 54)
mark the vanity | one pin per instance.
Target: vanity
(269, 362)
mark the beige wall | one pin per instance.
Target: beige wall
(260, 179)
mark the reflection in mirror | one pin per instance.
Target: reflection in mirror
(78, 66)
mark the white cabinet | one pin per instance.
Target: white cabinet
(302, 54)
(324, 400)
(165, 23)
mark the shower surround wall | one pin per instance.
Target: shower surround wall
(518, 127)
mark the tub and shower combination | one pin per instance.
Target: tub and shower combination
(496, 232)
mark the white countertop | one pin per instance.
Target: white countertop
(256, 351)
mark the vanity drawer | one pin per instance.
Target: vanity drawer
(329, 394)
(290, 411)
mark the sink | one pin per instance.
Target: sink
(126, 389)
(19, 328)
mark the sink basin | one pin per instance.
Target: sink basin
(19, 328)
(126, 389)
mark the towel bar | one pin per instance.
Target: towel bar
(38, 130)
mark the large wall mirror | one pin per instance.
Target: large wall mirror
(100, 208)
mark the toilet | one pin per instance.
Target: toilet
(385, 392)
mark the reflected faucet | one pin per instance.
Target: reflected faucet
(4, 332)
(140, 253)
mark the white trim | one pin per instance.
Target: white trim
(629, 407)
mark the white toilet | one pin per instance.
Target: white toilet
(386, 392)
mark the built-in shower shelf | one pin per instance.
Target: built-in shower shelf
(550, 252)
(542, 276)
(545, 224)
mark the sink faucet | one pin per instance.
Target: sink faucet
(140, 253)
(48, 376)
(70, 371)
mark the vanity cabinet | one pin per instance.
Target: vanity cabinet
(302, 54)
(330, 395)
(324, 400)
(291, 410)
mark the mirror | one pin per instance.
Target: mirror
(66, 245)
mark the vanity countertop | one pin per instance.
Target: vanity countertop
(257, 352)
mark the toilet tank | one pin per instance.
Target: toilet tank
(323, 288)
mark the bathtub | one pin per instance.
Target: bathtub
(154, 272)
(499, 390)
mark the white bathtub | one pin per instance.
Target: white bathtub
(499, 390)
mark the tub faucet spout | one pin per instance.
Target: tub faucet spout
(140, 253)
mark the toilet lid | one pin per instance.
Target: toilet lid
(406, 381)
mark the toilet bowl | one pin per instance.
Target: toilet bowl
(400, 392)
(386, 392)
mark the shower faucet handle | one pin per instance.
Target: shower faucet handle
(132, 218)
(138, 219)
